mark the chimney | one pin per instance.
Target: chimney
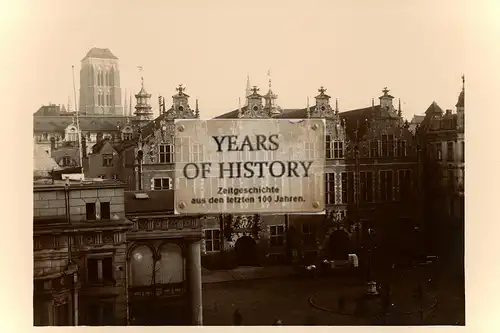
(448, 112)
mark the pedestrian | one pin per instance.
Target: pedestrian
(237, 318)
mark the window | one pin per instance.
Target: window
(162, 184)
(308, 234)
(438, 151)
(330, 188)
(404, 184)
(328, 147)
(401, 148)
(107, 160)
(100, 313)
(386, 185)
(387, 145)
(105, 211)
(100, 271)
(374, 149)
(197, 152)
(347, 187)
(366, 186)
(449, 151)
(212, 240)
(65, 161)
(277, 237)
(166, 153)
(333, 149)
(338, 149)
(90, 209)
(45, 136)
(127, 136)
(116, 177)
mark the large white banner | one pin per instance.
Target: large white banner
(249, 166)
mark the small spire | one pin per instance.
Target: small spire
(336, 105)
(373, 102)
(240, 113)
(400, 112)
(463, 82)
(197, 111)
(269, 75)
(125, 106)
(308, 113)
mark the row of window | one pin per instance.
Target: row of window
(276, 238)
(366, 186)
(104, 79)
(104, 99)
(91, 211)
(387, 147)
(437, 151)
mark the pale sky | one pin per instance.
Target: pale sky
(353, 48)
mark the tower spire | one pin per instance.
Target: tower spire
(400, 113)
(336, 105)
(248, 90)
(197, 111)
(269, 75)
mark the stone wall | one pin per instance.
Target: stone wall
(52, 203)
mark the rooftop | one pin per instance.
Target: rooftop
(90, 183)
(99, 53)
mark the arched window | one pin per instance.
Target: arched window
(141, 266)
(106, 99)
(171, 265)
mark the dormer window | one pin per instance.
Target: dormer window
(323, 108)
(181, 108)
(255, 108)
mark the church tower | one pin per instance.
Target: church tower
(100, 92)
(143, 111)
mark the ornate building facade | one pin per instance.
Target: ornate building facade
(442, 137)
(79, 235)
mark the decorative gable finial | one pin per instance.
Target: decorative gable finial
(255, 90)
(322, 90)
(180, 89)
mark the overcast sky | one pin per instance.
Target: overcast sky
(353, 48)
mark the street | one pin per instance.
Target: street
(262, 301)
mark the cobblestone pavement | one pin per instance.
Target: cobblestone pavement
(263, 301)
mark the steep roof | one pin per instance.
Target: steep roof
(43, 164)
(97, 147)
(96, 52)
(417, 119)
(87, 123)
(434, 108)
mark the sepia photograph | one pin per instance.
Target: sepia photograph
(247, 163)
